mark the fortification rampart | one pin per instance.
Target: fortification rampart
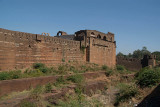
(19, 50)
(102, 52)
(137, 64)
(101, 47)
(130, 63)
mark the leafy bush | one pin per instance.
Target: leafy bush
(120, 67)
(15, 74)
(148, 77)
(59, 81)
(84, 68)
(38, 65)
(4, 76)
(79, 89)
(63, 60)
(125, 92)
(104, 67)
(44, 69)
(76, 78)
(34, 73)
(109, 72)
(41, 67)
(72, 68)
(10, 75)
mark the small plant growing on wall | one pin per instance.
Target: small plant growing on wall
(63, 60)
(83, 48)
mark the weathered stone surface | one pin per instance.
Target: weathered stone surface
(20, 50)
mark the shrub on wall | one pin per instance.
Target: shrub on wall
(104, 67)
(4, 75)
(38, 65)
(10, 75)
(83, 48)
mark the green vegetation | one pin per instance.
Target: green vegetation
(40, 69)
(60, 81)
(38, 65)
(109, 72)
(83, 48)
(48, 88)
(148, 77)
(125, 93)
(26, 103)
(73, 101)
(77, 78)
(63, 60)
(104, 67)
(145, 78)
(136, 54)
(10, 75)
(120, 67)
(35, 94)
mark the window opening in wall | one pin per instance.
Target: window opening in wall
(104, 38)
(29, 46)
(59, 34)
(99, 36)
(92, 33)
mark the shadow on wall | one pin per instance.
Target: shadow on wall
(152, 100)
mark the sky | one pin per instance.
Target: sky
(135, 23)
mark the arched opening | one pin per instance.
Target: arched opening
(92, 33)
(99, 36)
(104, 38)
(59, 33)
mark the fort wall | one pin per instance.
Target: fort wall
(20, 50)
(100, 47)
(136, 64)
(129, 63)
(102, 52)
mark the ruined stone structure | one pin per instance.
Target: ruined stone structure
(136, 64)
(100, 47)
(20, 50)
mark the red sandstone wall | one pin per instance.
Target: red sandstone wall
(129, 63)
(102, 52)
(19, 50)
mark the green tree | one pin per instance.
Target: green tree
(145, 51)
(137, 54)
(120, 54)
(130, 55)
(140, 53)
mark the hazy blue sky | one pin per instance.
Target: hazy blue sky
(135, 23)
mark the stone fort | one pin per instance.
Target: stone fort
(20, 50)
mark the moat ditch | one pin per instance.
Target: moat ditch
(104, 87)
